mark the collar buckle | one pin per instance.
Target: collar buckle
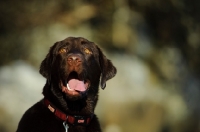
(68, 119)
(81, 120)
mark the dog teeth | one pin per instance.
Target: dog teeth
(69, 88)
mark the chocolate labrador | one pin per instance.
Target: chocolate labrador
(74, 68)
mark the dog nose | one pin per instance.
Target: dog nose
(74, 60)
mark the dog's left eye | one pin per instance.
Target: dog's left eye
(87, 51)
(63, 50)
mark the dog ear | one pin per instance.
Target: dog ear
(108, 71)
(46, 65)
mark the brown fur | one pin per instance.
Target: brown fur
(81, 58)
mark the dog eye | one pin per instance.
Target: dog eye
(63, 50)
(87, 51)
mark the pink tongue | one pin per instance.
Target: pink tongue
(76, 85)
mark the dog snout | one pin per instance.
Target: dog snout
(74, 60)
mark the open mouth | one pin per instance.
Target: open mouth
(74, 85)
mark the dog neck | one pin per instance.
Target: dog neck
(69, 119)
(64, 104)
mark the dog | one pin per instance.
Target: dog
(74, 69)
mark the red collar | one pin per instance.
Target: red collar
(69, 119)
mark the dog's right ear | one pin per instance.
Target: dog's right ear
(46, 65)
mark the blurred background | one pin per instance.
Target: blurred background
(154, 44)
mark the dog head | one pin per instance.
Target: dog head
(75, 66)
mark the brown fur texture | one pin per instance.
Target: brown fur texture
(72, 58)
